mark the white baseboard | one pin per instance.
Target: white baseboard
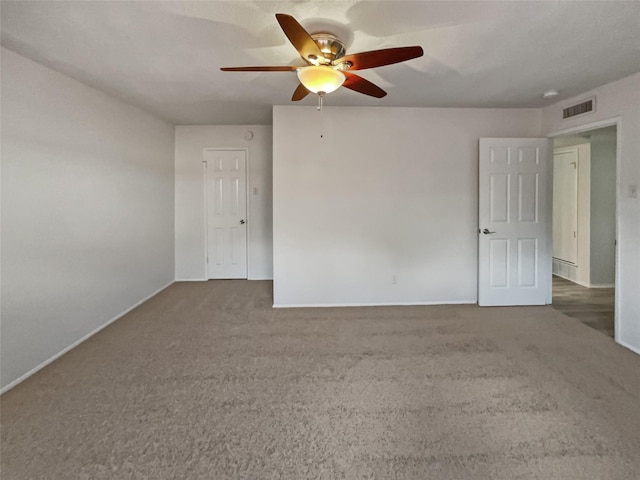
(207, 279)
(22, 378)
(395, 304)
(586, 284)
(572, 280)
(626, 345)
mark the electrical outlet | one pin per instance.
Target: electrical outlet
(394, 279)
(633, 191)
(255, 190)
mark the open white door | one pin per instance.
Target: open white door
(226, 207)
(514, 246)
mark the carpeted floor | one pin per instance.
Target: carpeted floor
(207, 381)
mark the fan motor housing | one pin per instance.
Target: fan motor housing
(330, 45)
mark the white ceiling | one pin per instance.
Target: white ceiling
(165, 56)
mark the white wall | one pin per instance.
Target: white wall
(190, 141)
(87, 212)
(617, 99)
(603, 207)
(387, 192)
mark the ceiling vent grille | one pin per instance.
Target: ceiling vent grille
(587, 106)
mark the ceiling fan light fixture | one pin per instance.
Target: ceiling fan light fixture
(321, 78)
(328, 63)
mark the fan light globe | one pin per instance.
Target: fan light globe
(321, 78)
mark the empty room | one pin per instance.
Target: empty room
(320, 240)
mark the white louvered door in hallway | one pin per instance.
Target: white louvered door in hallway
(514, 244)
(226, 210)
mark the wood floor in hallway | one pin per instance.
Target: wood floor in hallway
(592, 306)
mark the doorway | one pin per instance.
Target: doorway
(584, 226)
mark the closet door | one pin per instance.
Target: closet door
(565, 205)
(226, 207)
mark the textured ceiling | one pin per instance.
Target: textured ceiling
(165, 56)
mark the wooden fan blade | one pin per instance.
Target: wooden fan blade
(300, 93)
(358, 84)
(378, 58)
(284, 68)
(299, 37)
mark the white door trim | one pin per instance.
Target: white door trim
(206, 212)
(617, 121)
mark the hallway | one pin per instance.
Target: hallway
(592, 306)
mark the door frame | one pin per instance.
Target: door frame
(617, 121)
(206, 208)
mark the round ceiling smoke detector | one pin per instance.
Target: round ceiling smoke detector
(550, 94)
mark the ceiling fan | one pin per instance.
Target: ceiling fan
(329, 67)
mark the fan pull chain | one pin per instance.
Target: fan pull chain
(320, 96)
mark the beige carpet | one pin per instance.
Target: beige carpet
(207, 381)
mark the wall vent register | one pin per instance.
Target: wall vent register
(587, 106)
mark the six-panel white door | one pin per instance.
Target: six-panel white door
(565, 205)
(514, 247)
(226, 202)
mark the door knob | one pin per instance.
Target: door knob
(487, 232)
(241, 222)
